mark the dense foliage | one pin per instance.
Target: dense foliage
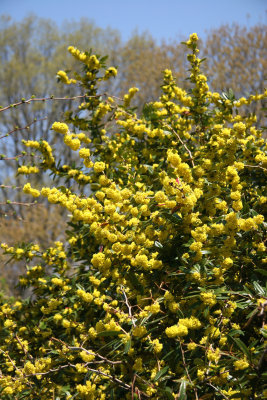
(159, 290)
(41, 45)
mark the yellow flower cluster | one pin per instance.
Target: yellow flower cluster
(241, 364)
(28, 170)
(128, 97)
(111, 71)
(60, 127)
(91, 61)
(29, 190)
(64, 77)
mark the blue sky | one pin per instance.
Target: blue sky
(165, 19)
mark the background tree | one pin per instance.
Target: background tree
(141, 62)
(240, 63)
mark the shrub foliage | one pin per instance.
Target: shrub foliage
(158, 291)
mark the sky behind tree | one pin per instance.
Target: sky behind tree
(163, 19)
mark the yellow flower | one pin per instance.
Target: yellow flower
(208, 298)
(241, 364)
(111, 71)
(99, 166)
(214, 355)
(191, 346)
(84, 153)
(74, 144)
(139, 331)
(176, 330)
(29, 190)
(57, 317)
(87, 356)
(60, 127)
(157, 346)
(138, 365)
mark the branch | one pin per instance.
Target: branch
(218, 390)
(17, 203)
(88, 352)
(23, 101)
(129, 307)
(186, 370)
(255, 166)
(10, 187)
(23, 347)
(21, 129)
(180, 140)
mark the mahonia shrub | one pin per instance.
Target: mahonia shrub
(159, 289)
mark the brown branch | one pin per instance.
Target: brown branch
(16, 129)
(88, 352)
(124, 385)
(24, 154)
(218, 390)
(133, 382)
(186, 370)
(16, 203)
(23, 347)
(255, 166)
(44, 99)
(8, 356)
(129, 307)
(10, 187)
(185, 146)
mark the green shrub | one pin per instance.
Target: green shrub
(158, 291)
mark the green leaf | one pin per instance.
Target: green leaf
(127, 346)
(65, 389)
(176, 218)
(167, 355)
(241, 345)
(42, 325)
(263, 332)
(149, 168)
(206, 252)
(236, 332)
(182, 390)
(168, 393)
(135, 282)
(236, 396)
(252, 313)
(261, 271)
(108, 333)
(160, 373)
(258, 288)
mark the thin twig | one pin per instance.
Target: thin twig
(10, 187)
(19, 156)
(94, 354)
(185, 146)
(186, 370)
(88, 352)
(21, 129)
(133, 382)
(8, 356)
(129, 307)
(218, 390)
(16, 203)
(45, 99)
(124, 385)
(23, 347)
(255, 166)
